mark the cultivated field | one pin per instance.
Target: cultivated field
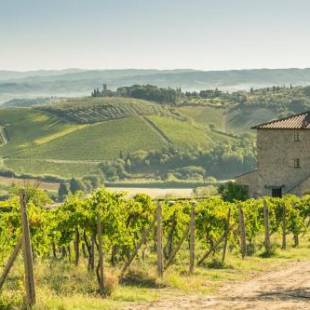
(78, 131)
(108, 251)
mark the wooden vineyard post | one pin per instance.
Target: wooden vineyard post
(92, 252)
(100, 269)
(242, 232)
(284, 228)
(226, 236)
(10, 262)
(267, 229)
(159, 241)
(27, 252)
(77, 247)
(192, 240)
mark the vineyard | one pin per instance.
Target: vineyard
(92, 110)
(120, 240)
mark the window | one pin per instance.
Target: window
(296, 163)
(296, 135)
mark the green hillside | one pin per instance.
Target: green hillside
(242, 119)
(128, 138)
(87, 110)
(206, 115)
(24, 127)
(74, 136)
(100, 141)
(182, 133)
(63, 169)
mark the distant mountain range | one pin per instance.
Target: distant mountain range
(78, 82)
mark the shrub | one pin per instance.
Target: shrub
(233, 192)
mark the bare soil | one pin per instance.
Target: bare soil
(288, 287)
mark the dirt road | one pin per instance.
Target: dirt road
(286, 288)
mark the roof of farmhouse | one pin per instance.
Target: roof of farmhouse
(297, 121)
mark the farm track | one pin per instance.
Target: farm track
(3, 136)
(161, 134)
(287, 287)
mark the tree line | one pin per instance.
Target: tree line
(221, 161)
(146, 92)
(283, 99)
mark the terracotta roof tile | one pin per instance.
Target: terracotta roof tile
(297, 121)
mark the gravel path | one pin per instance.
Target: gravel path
(286, 288)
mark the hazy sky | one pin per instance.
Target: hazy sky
(202, 34)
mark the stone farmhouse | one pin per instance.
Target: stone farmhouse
(283, 158)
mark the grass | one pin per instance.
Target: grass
(63, 169)
(99, 141)
(56, 135)
(206, 115)
(60, 285)
(24, 126)
(182, 133)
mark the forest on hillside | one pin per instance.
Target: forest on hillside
(280, 98)
(78, 82)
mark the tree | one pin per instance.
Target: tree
(62, 191)
(76, 185)
(91, 182)
(233, 192)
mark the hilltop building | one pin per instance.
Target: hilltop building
(283, 158)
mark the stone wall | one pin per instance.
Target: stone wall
(276, 151)
(250, 180)
(302, 189)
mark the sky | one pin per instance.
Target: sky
(162, 34)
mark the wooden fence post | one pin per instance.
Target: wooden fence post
(27, 252)
(159, 241)
(92, 251)
(192, 240)
(242, 232)
(283, 247)
(267, 229)
(227, 228)
(77, 247)
(100, 269)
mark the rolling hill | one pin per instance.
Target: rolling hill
(74, 136)
(76, 82)
(133, 138)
